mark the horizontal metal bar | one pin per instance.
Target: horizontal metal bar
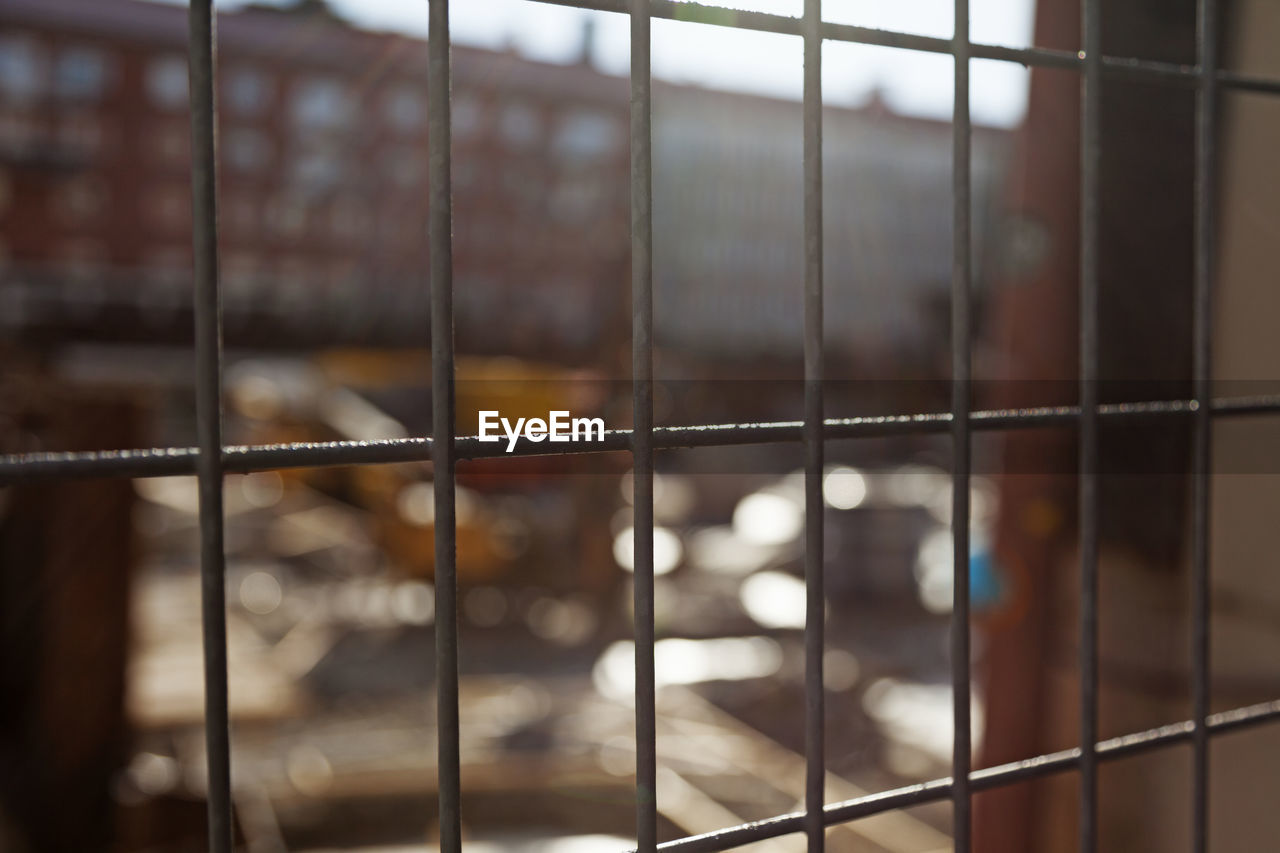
(1037, 57)
(241, 459)
(1112, 749)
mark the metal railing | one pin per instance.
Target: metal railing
(210, 460)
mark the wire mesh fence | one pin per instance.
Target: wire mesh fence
(210, 460)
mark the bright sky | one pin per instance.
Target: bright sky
(720, 57)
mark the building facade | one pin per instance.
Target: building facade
(323, 144)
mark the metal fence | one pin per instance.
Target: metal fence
(211, 460)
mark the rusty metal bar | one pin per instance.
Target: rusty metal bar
(201, 61)
(961, 445)
(813, 439)
(1090, 157)
(443, 456)
(642, 433)
(1202, 368)
(814, 502)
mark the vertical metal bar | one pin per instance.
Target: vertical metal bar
(1090, 153)
(1205, 192)
(815, 616)
(208, 332)
(961, 376)
(642, 435)
(440, 238)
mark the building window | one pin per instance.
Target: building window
(321, 102)
(22, 68)
(349, 219)
(167, 82)
(317, 169)
(82, 73)
(247, 150)
(519, 125)
(292, 285)
(168, 267)
(525, 188)
(81, 131)
(170, 206)
(587, 135)
(18, 131)
(405, 166)
(575, 201)
(240, 273)
(83, 260)
(466, 117)
(239, 213)
(465, 174)
(171, 142)
(81, 200)
(286, 216)
(345, 279)
(405, 109)
(247, 91)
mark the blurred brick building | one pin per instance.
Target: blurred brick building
(323, 140)
(323, 147)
